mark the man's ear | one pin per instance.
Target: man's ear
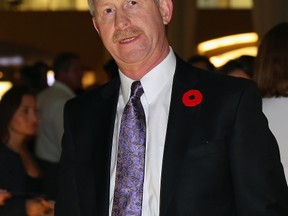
(95, 24)
(166, 10)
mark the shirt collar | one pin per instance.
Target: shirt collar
(154, 81)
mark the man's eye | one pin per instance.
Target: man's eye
(132, 2)
(108, 10)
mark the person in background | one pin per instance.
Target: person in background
(240, 67)
(202, 62)
(185, 142)
(35, 76)
(271, 75)
(20, 176)
(68, 75)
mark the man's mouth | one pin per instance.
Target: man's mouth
(127, 40)
(127, 35)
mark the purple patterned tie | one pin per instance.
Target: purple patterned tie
(128, 191)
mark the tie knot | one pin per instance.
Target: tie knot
(136, 89)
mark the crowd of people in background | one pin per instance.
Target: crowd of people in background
(68, 75)
(31, 117)
(31, 128)
(271, 75)
(19, 171)
(243, 66)
(269, 69)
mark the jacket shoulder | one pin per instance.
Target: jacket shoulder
(96, 95)
(189, 75)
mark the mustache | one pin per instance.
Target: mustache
(126, 33)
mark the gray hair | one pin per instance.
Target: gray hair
(91, 5)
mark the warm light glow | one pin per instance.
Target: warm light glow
(221, 59)
(50, 77)
(53, 5)
(81, 5)
(4, 86)
(1, 74)
(227, 41)
(241, 4)
(89, 79)
(231, 4)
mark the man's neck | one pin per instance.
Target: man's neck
(137, 71)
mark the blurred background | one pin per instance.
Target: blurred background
(37, 30)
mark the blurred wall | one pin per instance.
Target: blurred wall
(182, 28)
(52, 33)
(267, 13)
(55, 32)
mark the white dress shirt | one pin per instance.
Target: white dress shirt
(157, 85)
(276, 111)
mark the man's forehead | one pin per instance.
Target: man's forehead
(117, 1)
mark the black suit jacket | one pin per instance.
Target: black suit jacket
(220, 158)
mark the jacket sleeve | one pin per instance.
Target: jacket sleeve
(259, 182)
(67, 199)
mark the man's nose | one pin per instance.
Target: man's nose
(121, 19)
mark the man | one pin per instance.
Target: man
(208, 147)
(68, 74)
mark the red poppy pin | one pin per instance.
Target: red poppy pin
(192, 98)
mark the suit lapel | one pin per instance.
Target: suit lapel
(181, 123)
(102, 144)
(92, 131)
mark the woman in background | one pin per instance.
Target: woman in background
(271, 75)
(19, 174)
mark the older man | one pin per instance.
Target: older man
(186, 142)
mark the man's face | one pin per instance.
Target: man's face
(132, 31)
